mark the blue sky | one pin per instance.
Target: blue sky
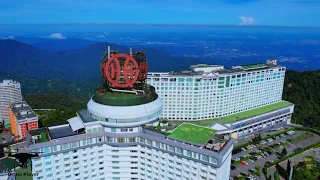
(217, 12)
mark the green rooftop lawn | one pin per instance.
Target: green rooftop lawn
(245, 114)
(8, 163)
(44, 137)
(25, 173)
(254, 66)
(118, 94)
(192, 133)
(42, 132)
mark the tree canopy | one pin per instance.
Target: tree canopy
(303, 89)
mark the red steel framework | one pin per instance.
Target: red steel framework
(132, 71)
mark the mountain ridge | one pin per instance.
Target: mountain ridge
(77, 64)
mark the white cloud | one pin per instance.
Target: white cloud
(246, 20)
(8, 37)
(101, 36)
(57, 36)
(106, 33)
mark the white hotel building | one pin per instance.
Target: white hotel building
(10, 92)
(213, 92)
(110, 142)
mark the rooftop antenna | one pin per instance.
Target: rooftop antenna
(108, 52)
(130, 51)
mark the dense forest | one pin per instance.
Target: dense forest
(300, 88)
(65, 104)
(303, 89)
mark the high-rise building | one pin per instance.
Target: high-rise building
(111, 139)
(230, 96)
(22, 119)
(10, 92)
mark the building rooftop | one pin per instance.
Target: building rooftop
(22, 110)
(221, 70)
(42, 135)
(254, 66)
(61, 131)
(204, 65)
(85, 116)
(49, 133)
(192, 133)
(143, 95)
(9, 82)
(246, 114)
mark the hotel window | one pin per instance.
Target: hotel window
(120, 140)
(109, 139)
(48, 169)
(178, 150)
(124, 130)
(157, 144)
(194, 155)
(54, 148)
(132, 139)
(141, 140)
(74, 144)
(65, 146)
(84, 142)
(188, 153)
(148, 142)
(46, 150)
(100, 139)
(204, 158)
(113, 129)
(171, 148)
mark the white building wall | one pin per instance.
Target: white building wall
(224, 171)
(10, 92)
(197, 97)
(104, 162)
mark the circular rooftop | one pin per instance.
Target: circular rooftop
(123, 116)
(144, 95)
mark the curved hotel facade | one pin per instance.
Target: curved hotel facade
(111, 140)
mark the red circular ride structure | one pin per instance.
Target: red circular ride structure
(123, 71)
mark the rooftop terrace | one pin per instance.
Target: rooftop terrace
(42, 132)
(245, 114)
(145, 95)
(192, 133)
(254, 66)
(22, 110)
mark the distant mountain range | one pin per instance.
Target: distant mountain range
(73, 59)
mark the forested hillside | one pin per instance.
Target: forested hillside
(66, 105)
(303, 89)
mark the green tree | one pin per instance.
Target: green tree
(276, 175)
(301, 171)
(257, 139)
(302, 89)
(284, 152)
